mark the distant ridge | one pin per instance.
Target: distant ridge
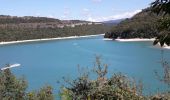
(141, 25)
(14, 28)
(112, 22)
(7, 19)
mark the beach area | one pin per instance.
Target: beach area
(129, 40)
(85, 36)
(136, 40)
(139, 39)
(48, 39)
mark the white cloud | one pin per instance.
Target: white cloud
(51, 16)
(91, 19)
(114, 17)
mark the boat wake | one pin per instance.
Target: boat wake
(11, 66)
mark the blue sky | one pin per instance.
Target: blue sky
(92, 10)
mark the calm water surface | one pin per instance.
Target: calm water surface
(44, 63)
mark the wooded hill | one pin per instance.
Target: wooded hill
(142, 25)
(13, 28)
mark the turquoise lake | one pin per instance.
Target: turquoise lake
(46, 62)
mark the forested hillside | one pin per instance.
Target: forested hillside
(142, 25)
(13, 28)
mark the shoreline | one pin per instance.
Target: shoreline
(76, 37)
(130, 40)
(136, 40)
(167, 47)
(139, 39)
(48, 39)
(164, 46)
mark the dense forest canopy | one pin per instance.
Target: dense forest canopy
(142, 25)
(150, 23)
(26, 19)
(13, 28)
(7, 19)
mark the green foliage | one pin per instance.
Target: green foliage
(161, 96)
(164, 32)
(44, 93)
(118, 87)
(27, 19)
(10, 34)
(101, 72)
(12, 88)
(146, 24)
(142, 25)
(24, 28)
(164, 23)
(162, 7)
(163, 38)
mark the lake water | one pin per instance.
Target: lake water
(47, 62)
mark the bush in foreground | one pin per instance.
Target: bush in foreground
(12, 88)
(118, 87)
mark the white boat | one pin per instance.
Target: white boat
(11, 66)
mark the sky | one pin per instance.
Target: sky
(90, 10)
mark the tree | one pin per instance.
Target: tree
(44, 93)
(12, 88)
(118, 87)
(162, 7)
(142, 25)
